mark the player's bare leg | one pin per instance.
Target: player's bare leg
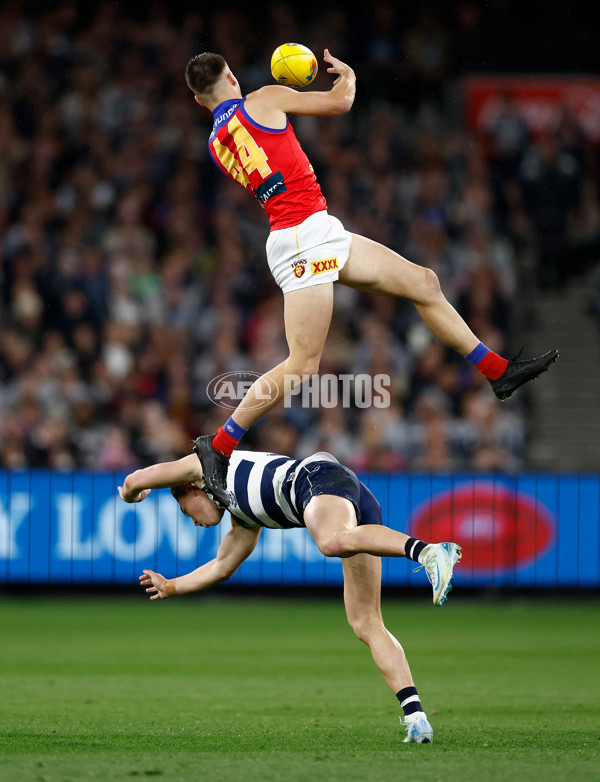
(307, 315)
(333, 517)
(332, 523)
(331, 520)
(375, 268)
(362, 598)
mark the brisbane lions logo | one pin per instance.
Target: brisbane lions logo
(299, 267)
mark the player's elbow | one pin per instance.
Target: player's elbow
(226, 572)
(227, 567)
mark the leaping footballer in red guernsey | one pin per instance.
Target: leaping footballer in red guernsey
(253, 143)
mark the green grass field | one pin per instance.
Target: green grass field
(213, 687)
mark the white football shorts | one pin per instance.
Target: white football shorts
(311, 253)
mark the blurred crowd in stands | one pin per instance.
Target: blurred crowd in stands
(132, 273)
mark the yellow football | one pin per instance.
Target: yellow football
(293, 65)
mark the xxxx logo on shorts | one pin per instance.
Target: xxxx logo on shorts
(317, 267)
(299, 267)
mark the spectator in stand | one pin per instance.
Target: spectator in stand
(551, 181)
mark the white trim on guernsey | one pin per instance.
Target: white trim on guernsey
(256, 480)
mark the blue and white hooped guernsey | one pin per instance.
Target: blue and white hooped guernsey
(261, 487)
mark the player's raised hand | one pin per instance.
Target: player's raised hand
(337, 66)
(154, 583)
(133, 495)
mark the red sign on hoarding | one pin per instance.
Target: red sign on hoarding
(496, 527)
(541, 101)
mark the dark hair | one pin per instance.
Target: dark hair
(203, 70)
(179, 491)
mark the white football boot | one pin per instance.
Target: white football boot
(439, 560)
(418, 729)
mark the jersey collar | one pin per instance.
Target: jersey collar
(225, 109)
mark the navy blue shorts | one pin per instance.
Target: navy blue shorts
(335, 479)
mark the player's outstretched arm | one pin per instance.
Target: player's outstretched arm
(236, 546)
(136, 486)
(267, 101)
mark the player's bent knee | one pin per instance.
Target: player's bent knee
(303, 367)
(328, 548)
(365, 627)
(430, 285)
(310, 367)
(333, 547)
